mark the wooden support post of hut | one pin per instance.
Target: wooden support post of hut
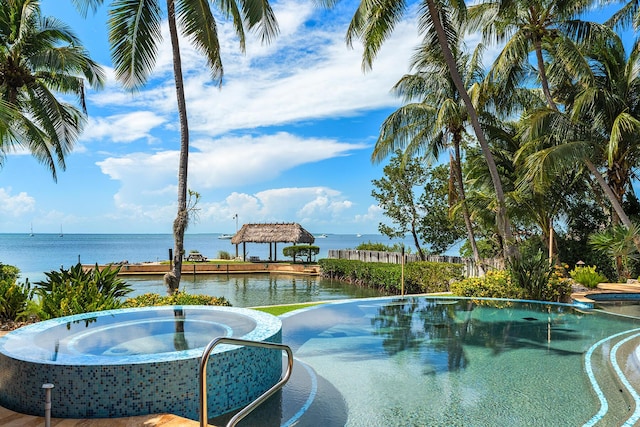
(289, 232)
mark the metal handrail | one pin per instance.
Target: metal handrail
(264, 396)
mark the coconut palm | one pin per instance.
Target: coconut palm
(629, 13)
(434, 123)
(373, 22)
(601, 124)
(41, 59)
(531, 26)
(134, 34)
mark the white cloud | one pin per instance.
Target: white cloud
(15, 206)
(123, 127)
(307, 205)
(308, 72)
(226, 162)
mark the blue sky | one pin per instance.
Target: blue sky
(288, 137)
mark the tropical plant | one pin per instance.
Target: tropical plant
(600, 124)
(436, 121)
(438, 22)
(41, 59)
(77, 290)
(587, 276)
(530, 26)
(134, 34)
(531, 273)
(14, 296)
(618, 243)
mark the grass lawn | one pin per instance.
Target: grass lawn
(277, 310)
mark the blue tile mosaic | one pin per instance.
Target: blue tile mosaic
(95, 386)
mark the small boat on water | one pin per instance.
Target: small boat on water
(322, 236)
(225, 236)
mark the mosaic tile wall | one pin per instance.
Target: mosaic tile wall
(236, 376)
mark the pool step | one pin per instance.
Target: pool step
(10, 418)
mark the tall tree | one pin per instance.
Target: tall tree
(395, 193)
(531, 26)
(433, 120)
(40, 59)
(134, 34)
(373, 22)
(600, 124)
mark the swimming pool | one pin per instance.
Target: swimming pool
(129, 362)
(423, 361)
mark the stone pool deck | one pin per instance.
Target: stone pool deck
(13, 419)
(582, 297)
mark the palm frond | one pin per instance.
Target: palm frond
(134, 35)
(373, 23)
(199, 25)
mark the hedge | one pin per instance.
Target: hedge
(419, 277)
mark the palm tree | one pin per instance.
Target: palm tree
(434, 123)
(134, 34)
(531, 26)
(41, 58)
(373, 22)
(601, 124)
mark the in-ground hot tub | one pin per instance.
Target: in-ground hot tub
(138, 361)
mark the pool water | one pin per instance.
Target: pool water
(456, 362)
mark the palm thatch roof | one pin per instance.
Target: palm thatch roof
(290, 232)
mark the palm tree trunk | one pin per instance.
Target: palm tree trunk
(465, 209)
(617, 207)
(172, 279)
(504, 226)
(543, 75)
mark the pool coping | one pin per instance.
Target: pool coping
(582, 298)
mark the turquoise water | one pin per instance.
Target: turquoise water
(452, 362)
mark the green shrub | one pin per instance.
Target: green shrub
(178, 298)
(381, 247)
(558, 289)
(420, 277)
(495, 284)
(14, 296)
(587, 276)
(532, 273)
(76, 291)
(224, 255)
(302, 251)
(425, 277)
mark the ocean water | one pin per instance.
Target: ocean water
(40, 253)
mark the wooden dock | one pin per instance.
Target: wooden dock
(211, 267)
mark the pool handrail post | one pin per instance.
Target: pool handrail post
(204, 422)
(47, 403)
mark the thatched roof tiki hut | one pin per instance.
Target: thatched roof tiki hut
(272, 234)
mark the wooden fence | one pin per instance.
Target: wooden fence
(469, 270)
